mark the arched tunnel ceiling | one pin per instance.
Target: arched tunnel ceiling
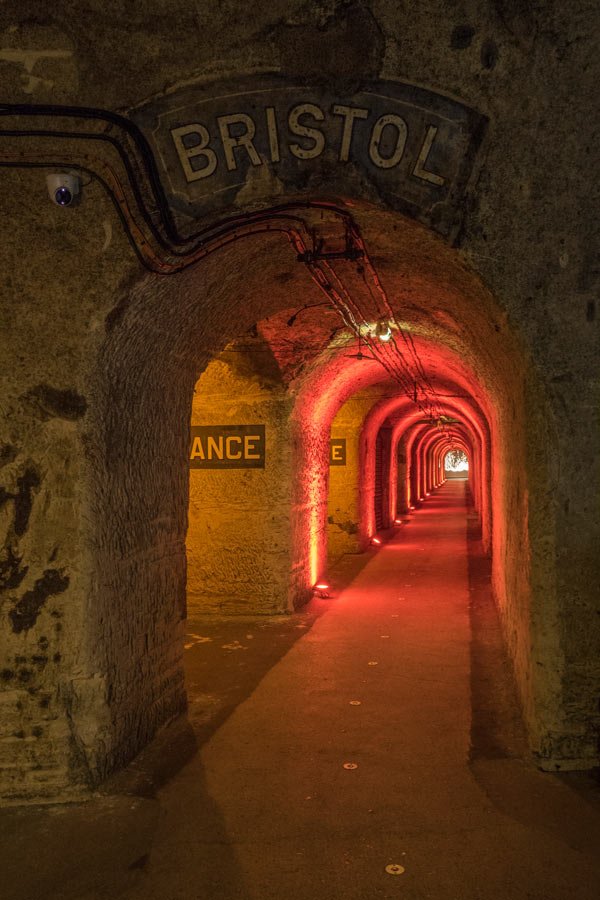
(299, 339)
(313, 353)
(430, 287)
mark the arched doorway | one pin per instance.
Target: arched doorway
(145, 379)
(456, 463)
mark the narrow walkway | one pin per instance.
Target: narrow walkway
(354, 753)
(383, 735)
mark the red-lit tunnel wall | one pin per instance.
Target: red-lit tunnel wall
(434, 444)
(489, 428)
(317, 403)
(419, 444)
(457, 331)
(441, 453)
(472, 434)
(141, 380)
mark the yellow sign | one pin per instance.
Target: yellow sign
(227, 447)
(337, 452)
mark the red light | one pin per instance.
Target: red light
(397, 521)
(321, 587)
(375, 541)
(411, 507)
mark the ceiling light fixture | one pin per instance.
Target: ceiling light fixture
(383, 331)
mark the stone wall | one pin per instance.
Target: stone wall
(100, 358)
(343, 510)
(238, 537)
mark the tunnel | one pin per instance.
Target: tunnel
(248, 340)
(298, 482)
(272, 409)
(237, 521)
(258, 540)
(312, 392)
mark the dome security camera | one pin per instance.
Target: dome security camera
(63, 188)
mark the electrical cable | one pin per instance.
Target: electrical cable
(174, 252)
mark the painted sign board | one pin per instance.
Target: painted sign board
(252, 141)
(337, 452)
(227, 447)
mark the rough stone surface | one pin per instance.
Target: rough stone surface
(100, 358)
(238, 541)
(343, 511)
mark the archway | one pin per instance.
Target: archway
(411, 436)
(456, 462)
(238, 542)
(152, 357)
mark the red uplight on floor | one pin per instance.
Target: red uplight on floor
(321, 587)
(397, 521)
(375, 541)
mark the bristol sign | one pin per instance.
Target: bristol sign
(227, 145)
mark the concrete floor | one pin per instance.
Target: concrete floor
(402, 675)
